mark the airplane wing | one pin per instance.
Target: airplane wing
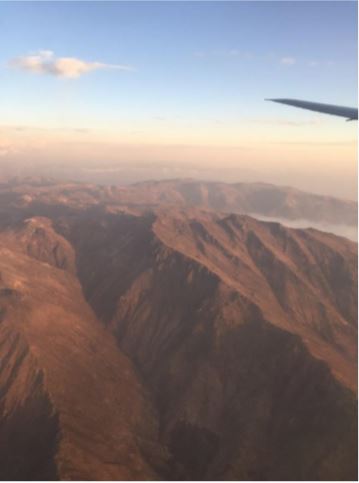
(351, 113)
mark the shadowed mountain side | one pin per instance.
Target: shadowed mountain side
(241, 330)
(71, 404)
(302, 280)
(29, 423)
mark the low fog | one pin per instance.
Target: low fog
(350, 232)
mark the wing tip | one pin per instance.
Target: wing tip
(274, 100)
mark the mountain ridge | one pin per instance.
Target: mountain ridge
(136, 334)
(262, 199)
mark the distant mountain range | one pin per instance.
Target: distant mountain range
(144, 335)
(246, 198)
(249, 198)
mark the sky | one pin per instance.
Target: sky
(178, 88)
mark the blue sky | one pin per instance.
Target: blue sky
(191, 59)
(193, 67)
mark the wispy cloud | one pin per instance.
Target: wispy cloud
(288, 60)
(232, 52)
(317, 63)
(240, 54)
(307, 143)
(200, 53)
(22, 128)
(45, 62)
(285, 122)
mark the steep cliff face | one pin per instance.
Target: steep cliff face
(240, 333)
(72, 406)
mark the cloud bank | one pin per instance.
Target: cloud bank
(45, 62)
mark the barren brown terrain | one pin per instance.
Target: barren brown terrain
(244, 198)
(145, 341)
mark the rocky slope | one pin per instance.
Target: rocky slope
(72, 405)
(244, 331)
(172, 343)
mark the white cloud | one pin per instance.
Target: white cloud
(288, 60)
(45, 62)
